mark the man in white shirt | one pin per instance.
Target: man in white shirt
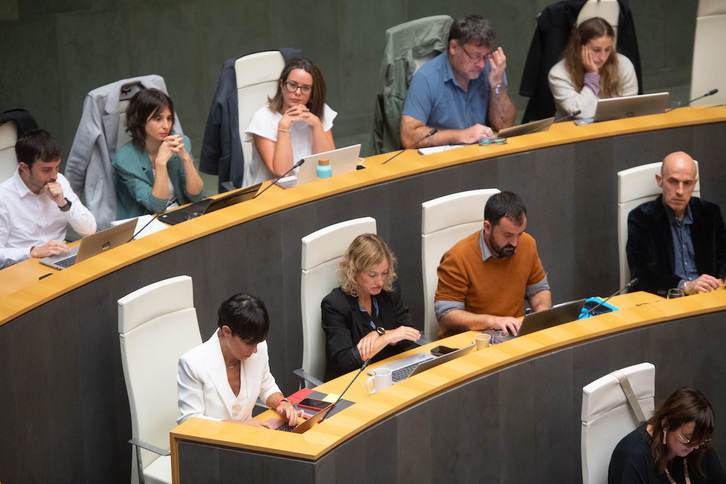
(37, 203)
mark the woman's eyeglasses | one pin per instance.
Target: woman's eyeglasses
(293, 86)
(687, 442)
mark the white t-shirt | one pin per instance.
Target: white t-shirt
(264, 123)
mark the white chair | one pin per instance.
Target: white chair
(608, 416)
(157, 324)
(444, 222)
(257, 76)
(606, 9)
(8, 160)
(709, 65)
(321, 252)
(636, 186)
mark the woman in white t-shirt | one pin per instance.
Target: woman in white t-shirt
(295, 123)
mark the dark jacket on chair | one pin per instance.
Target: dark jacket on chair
(554, 25)
(651, 256)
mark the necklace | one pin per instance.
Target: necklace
(231, 367)
(685, 473)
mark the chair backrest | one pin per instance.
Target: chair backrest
(8, 160)
(709, 65)
(444, 222)
(607, 417)
(157, 324)
(636, 186)
(257, 76)
(321, 252)
(606, 9)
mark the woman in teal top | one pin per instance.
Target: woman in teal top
(155, 166)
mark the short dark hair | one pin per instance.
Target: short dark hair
(142, 106)
(316, 103)
(37, 144)
(246, 316)
(505, 204)
(472, 29)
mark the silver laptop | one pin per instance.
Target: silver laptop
(93, 245)
(343, 160)
(631, 106)
(420, 362)
(533, 127)
(548, 318)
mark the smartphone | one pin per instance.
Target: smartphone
(442, 350)
(313, 404)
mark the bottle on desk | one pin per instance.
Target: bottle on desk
(324, 170)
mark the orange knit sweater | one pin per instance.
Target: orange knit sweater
(494, 287)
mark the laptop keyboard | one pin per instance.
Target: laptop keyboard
(286, 427)
(66, 263)
(403, 373)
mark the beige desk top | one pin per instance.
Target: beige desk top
(21, 290)
(637, 310)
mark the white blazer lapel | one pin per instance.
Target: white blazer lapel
(218, 375)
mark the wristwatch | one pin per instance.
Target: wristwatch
(380, 331)
(65, 207)
(682, 286)
(501, 87)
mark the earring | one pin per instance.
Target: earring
(664, 436)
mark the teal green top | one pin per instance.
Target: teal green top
(135, 179)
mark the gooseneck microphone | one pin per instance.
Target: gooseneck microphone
(168, 204)
(431, 133)
(627, 286)
(709, 93)
(330, 408)
(296, 165)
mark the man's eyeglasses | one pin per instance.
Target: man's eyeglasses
(687, 442)
(479, 58)
(293, 86)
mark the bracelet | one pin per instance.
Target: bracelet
(283, 130)
(284, 400)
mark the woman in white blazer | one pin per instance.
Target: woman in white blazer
(222, 378)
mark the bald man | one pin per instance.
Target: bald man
(677, 241)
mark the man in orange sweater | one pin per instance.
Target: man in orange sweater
(485, 278)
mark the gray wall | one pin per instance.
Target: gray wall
(55, 51)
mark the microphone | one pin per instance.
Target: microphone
(431, 133)
(169, 203)
(627, 286)
(563, 118)
(330, 408)
(709, 93)
(296, 165)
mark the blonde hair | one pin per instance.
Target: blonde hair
(365, 252)
(610, 83)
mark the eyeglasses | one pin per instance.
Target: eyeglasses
(688, 443)
(293, 86)
(478, 59)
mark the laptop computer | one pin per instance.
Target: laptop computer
(343, 160)
(93, 245)
(420, 362)
(533, 127)
(548, 318)
(299, 428)
(631, 106)
(209, 205)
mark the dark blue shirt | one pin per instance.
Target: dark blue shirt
(685, 256)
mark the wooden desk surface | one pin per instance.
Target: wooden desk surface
(21, 291)
(637, 310)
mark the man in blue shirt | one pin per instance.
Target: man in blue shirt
(677, 241)
(461, 92)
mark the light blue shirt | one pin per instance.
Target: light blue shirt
(437, 100)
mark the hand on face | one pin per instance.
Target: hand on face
(588, 61)
(163, 155)
(54, 190)
(498, 63)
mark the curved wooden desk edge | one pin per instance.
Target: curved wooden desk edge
(640, 309)
(19, 295)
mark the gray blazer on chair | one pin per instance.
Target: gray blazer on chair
(88, 168)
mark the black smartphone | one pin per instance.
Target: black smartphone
(313, 404)
(442, 350)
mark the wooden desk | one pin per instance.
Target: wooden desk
(58, 336)
(202, 442)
